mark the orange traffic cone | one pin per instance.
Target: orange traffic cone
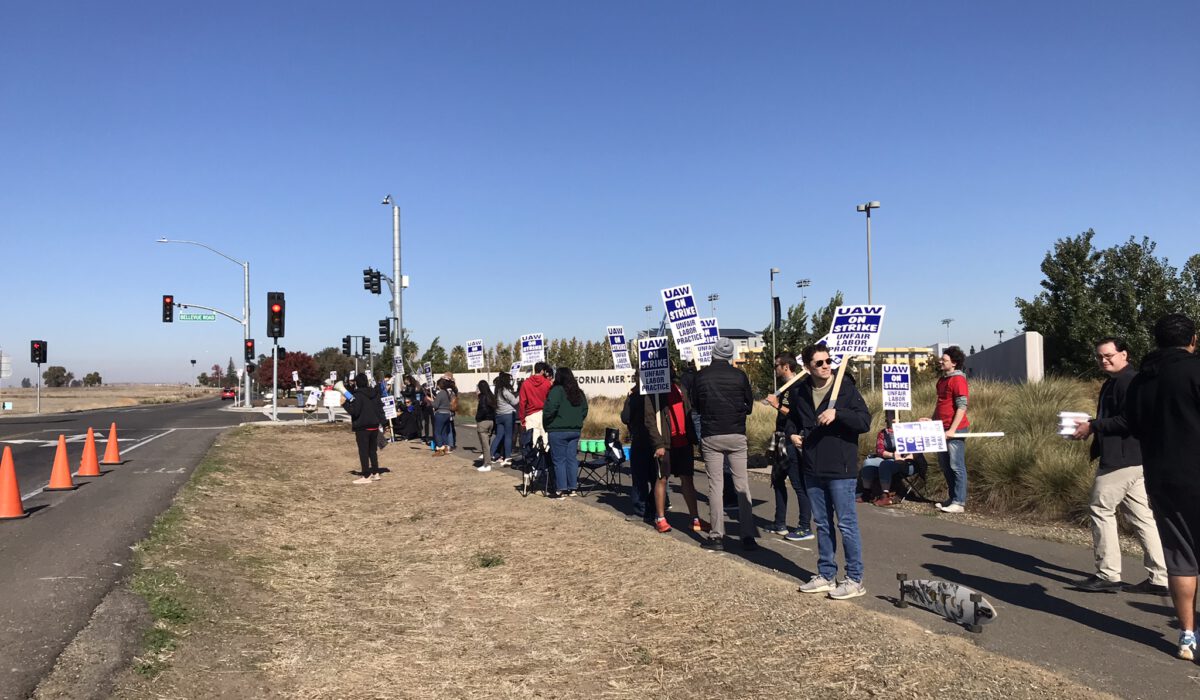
(60, 475)
(10, 493)
(89, 466)
(112, 450)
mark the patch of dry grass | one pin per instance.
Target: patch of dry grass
(65, 399)
(442, 582)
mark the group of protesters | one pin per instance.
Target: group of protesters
(1145, 435)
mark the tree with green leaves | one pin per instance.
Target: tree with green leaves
(92, 379)
(332, 360)
(230, 374)
(458, 359)
(1088, 294)
(797, 329)
(436, 356)
(56, 376)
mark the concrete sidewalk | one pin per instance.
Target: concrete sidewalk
(1119, 643)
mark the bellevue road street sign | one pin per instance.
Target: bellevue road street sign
(197, 317)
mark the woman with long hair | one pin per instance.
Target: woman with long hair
(506, 413)
(443, 415)
(562, 417)
(485, 418)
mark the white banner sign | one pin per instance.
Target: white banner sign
(710, 332)
(919, 436)
(295, 378)
(389, 407)
(533, 348)
(427, 370)
(515, 369)
(855, 330)
(474, 354)
(897, 388)
(683, 315)
(397, 366)
(654, 366)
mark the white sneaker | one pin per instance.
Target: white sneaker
(848, 588)
(817, 584)
(952, 508)
(1187, 646)
(484, 468)
(362, 480)
(375, 477)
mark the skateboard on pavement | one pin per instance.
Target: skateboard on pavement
(956, 603)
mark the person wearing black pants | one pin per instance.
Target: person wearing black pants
(366, 416)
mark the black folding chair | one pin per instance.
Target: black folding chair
(604, 470)
(914, 484)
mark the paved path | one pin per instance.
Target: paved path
(1120, 643)
(59, 563)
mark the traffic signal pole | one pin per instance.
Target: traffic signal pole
(397, 290)
(275, 379)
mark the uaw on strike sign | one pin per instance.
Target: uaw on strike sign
(683, 315)
(475, 354)
(616, 345)
(897, 388)
(855, 330)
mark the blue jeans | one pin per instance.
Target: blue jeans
(441, 429)
(564, 452)
(504, 435)
(804, 522)
(884, 469)
(834, 498)
(954, 468)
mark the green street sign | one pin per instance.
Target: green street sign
(197, 317)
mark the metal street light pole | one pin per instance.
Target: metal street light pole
(1001, 334)
(245, 306)
(397, 286)
(774, 330)
(866, 208)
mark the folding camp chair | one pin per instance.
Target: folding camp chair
(914, 484)
(605, 469)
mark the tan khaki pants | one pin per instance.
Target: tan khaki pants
(1113, 487)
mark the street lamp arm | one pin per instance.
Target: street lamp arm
(227, 315)
(204, 245)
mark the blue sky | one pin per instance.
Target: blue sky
(559, 163)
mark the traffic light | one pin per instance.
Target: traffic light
(281, 353)
(250, 350)
(368, 278)
(275, 310)
(376, 282)
(251, 367)
(385, 330)
(168, 308)
(37, 352)
(366, 347)
(346, 345)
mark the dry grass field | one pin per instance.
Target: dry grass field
(62, 399)
(274, 576)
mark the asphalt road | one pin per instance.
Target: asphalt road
(1118, 643)
(60, 562)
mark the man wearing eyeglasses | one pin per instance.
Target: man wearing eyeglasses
(827, 433)
(1118, 481)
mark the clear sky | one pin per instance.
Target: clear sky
(558, 163)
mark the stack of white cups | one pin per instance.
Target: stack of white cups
(1067, 421)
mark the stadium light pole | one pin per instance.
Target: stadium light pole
(946, 322)
(774, 330)
(245, 306)
(649, 308)
(397, 286)
(866, 208)
(802, 285)
(712, 300)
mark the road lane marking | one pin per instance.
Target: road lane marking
(75, 473)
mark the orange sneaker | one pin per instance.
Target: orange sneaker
(699, 525)
(885, 500)
(661, 525)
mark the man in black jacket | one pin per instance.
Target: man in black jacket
(1163, 411)
(827, 436)
(723, 400)
(1118, 480)
(366, 415)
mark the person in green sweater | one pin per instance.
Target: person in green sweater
(562, 418)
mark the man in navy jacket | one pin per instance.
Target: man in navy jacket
(827, 436)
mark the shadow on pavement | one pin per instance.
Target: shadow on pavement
(1034, 596)
(999, 555)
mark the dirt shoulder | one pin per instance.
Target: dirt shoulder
(67, 399)
(274, 576)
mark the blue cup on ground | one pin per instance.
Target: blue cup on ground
(626, 453)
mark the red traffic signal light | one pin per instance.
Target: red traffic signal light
(168, 309)
(37, 352)
(249, 350)
(275, 311)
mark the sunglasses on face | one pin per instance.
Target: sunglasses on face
(821, 363)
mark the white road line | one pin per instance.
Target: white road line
(38, 490)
